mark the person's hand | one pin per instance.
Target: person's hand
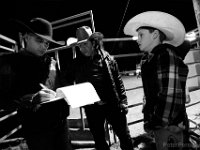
(123, 108)
(42, 96)
(148, 127)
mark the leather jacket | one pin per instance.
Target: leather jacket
(108, 84)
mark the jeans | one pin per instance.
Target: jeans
(96, 117)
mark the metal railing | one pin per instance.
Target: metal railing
(12, 44)
(56, 25)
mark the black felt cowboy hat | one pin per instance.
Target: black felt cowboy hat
(39, 27)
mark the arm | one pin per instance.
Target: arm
(6, 82)
(119, 83)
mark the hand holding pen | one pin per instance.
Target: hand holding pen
(45, 94)
(53, 98)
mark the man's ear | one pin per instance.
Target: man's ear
(25, 37)
(156, 34)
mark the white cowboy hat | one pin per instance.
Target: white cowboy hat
(168, 24)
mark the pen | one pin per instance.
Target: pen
(43, 86)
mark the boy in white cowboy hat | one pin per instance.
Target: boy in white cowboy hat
(93, 64)
(163, 75)
(44, 126)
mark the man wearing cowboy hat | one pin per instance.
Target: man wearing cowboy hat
(163, 75)
(93, 64)
(23, 76)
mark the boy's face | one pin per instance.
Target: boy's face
(36, 45)
(145, 40)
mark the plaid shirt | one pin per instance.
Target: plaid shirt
(164, 76)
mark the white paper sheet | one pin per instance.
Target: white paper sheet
(77, 95)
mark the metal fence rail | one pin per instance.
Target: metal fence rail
(56, 25)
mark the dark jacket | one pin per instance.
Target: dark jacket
(108, 85)
(20, 75)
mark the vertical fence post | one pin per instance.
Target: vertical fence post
(196, 5)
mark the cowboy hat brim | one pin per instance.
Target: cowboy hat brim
(168, 24)
(25, 28)
(51, 40)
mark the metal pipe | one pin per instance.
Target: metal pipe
(6, 48)
(65, 47)
(92, 21)
(8, 116)
(7, 39)
(127, 55)
(71, 17)
(58, 48)
(77, 43)
(71, 23)
(196, 6)
(12, 140)
(117, 39)
(11, 133)
(57, 59)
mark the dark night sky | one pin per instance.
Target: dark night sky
(110, 16)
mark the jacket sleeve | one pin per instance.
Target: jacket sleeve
(8, 100)
(6, 83)
(118, 82)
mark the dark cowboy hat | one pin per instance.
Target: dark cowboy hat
(84, 33)
(39, 27)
